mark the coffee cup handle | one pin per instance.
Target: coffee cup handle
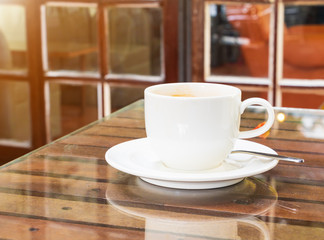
(266, 126)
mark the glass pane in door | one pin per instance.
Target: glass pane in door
(303, 98)
(71, 107)
(15, 119)
(71, 38)
(238, 34)
(303, 46)
(135, 40)
(13, 45)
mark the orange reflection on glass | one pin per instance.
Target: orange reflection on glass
(239, 39)
(264, 135)
(302, 99)
(303, 42)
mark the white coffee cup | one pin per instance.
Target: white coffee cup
(193, 126)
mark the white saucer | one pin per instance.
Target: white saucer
(136, 158)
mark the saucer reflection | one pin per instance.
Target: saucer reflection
(226, 213)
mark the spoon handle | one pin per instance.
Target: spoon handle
(279, 157)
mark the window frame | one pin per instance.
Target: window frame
(38, 76)
(277, 84)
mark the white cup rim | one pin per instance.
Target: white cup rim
(227, 90)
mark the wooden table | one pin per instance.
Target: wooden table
(66, 190)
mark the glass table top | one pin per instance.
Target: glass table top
(67, 190)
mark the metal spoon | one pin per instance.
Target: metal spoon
(279, 157)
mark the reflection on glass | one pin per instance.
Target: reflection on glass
(12, 37)
(121, 96)
(135, 40)
(15, 123)
(304, 42)
(281, 117)
(302, 100)
(312, 127)
(249, 198)
(304, 124)
(239, 39)
(258, 92)
(72, 38)
(71, 107)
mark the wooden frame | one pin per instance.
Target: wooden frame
(32, 76)
(200, 46)
(277, 83)
(38, 76)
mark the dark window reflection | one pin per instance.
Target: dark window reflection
(224, 52)
(298, 15)
(239, 41)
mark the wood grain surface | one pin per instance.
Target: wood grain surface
(66, 190)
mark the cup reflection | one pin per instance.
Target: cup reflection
(225, 213)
